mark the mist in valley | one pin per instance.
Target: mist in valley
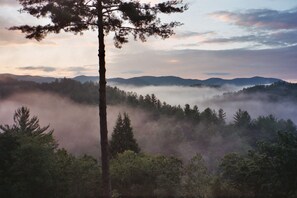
(77, 129)
(204, 97)
(180, 95)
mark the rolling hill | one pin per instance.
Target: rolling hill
(152, 80)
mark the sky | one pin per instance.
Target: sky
(219, 38)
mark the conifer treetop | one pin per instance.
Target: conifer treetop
(123, 18)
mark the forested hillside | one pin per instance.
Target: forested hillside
(185, 151)
(276, 92)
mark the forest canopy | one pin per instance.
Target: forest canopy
(258, 165)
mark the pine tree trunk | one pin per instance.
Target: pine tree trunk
(106, 186)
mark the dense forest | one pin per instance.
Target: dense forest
(247, 157)
(276, 92)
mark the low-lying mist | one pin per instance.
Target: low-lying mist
(77, 129)
(181, 95)
(256, 107)
(205, 97)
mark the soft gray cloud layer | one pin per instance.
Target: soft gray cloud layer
(8, 2)
(261, 18)
(38, 68)
(187, 34)
(217, 74)
(267, 27)
(279, 39)
(133, 72)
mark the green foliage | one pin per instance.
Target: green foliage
(196, 179)
(209, 116)
(222, 117)
(122, 138)
(242, 119)
(32, 167)
(267, 171)
(28, 166)
(192, 114)
(77, 177)
(275, 92)
(139, 175)
(190, 125)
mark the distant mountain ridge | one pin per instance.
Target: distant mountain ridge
(153, 80)
(173, 80)
(38, 79)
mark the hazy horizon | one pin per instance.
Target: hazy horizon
(136, 76)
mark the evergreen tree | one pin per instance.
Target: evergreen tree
(31, 166)
(242, 118)
(222, 117)
(24, 126)
(124, 18)
(122, 138)
(27, 150)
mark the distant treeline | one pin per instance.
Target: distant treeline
(87, 93)
(277, 92)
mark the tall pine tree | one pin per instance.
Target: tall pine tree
(122, 138)
(123, 18)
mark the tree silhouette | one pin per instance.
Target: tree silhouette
(122, 138)
(23, 124)
(242, 118)
(27, 167)
(124, 18)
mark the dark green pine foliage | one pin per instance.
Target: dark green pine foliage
(27, 153)
(222, 117)
(122, 138)
(31, 165)
(242, 118)
(269, 170)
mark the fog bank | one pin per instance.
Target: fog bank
(205, 97)
(77, 129)
(181, 95)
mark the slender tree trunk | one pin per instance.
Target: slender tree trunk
(106, 186)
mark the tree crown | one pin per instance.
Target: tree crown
(124, 18)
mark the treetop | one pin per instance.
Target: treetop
(124, 18)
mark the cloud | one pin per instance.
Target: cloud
(133, 72)
(267, 28)
(188, 34)
(77, 69)
(81, 70)
(217, 74)
(260, 18)
(247, 38)
(38, 68)
(8, 2)
(62, 71)
(277, 39)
